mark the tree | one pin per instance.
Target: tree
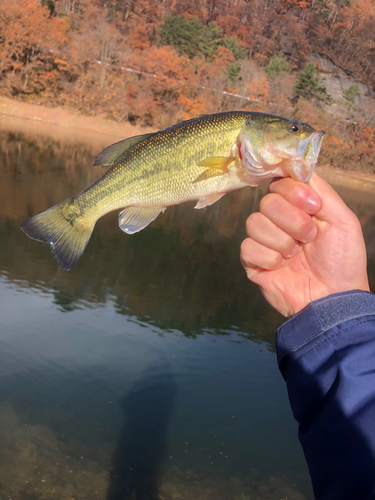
(351, 93)
(258, 90)
(190, 37)
(231, 43)
(276, 65)
(308, 85)
(30, 41)
(233, 71)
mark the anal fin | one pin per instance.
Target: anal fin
(134, 219)
(209, 200)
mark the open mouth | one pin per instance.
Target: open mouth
(303, 164)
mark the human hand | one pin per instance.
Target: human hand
(303, 245)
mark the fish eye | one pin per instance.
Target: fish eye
(294, 128)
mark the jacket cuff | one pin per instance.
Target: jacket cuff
(318, 317)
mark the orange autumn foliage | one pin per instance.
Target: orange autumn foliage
(30, 40)
(258, 89)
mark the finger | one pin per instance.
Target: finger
(289, 218)
(333, 208)
(254, 255)
(299, 194)
(265, 232)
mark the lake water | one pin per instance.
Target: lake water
(147, 372)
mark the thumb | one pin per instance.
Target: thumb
(333, 208)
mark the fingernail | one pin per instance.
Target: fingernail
(311, 235)
(313, 204)
(293, 251)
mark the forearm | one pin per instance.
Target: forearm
(326, 354)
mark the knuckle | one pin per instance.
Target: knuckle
(253, 221)
(251, 273)
(290, 248)
(275, 260)
(304, 225)
(268, 202)
(245, 251)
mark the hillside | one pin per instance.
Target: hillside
(157, 62)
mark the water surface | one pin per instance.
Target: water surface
(149, 370)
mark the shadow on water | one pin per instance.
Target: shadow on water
(142, 444)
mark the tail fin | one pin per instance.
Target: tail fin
(63, 227)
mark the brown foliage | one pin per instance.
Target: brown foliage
(30, 41)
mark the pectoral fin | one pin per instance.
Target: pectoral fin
(219, 162)
(208, 174)
(209, 200)
(134, 219)
(109, 155)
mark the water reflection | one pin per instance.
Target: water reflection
(142, 444)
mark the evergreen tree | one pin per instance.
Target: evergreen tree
(308, 85)
(351, 93)
(233, 71)
(277, 64)
(190, 37)
(233, 45)
(50, 4)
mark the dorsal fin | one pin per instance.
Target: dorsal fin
(109, 155)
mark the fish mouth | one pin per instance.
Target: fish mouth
(303, 163)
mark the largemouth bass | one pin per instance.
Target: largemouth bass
(200, 159)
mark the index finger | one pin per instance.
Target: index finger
(299, 194)
(317, 198)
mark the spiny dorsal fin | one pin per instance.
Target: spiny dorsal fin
(219, 162)
(109, 155)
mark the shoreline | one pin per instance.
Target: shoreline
(97, 130)
(347, 178)
(64, 124)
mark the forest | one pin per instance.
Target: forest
(157, 62)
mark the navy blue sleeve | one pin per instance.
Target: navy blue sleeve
(326, 354)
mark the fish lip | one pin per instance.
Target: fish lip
(302, 167)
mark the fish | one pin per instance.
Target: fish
(201, 159)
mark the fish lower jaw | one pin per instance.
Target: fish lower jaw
(256, 177)
(299, 169)
(296, 168)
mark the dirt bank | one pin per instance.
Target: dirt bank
(59, 122)
(62, 123)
